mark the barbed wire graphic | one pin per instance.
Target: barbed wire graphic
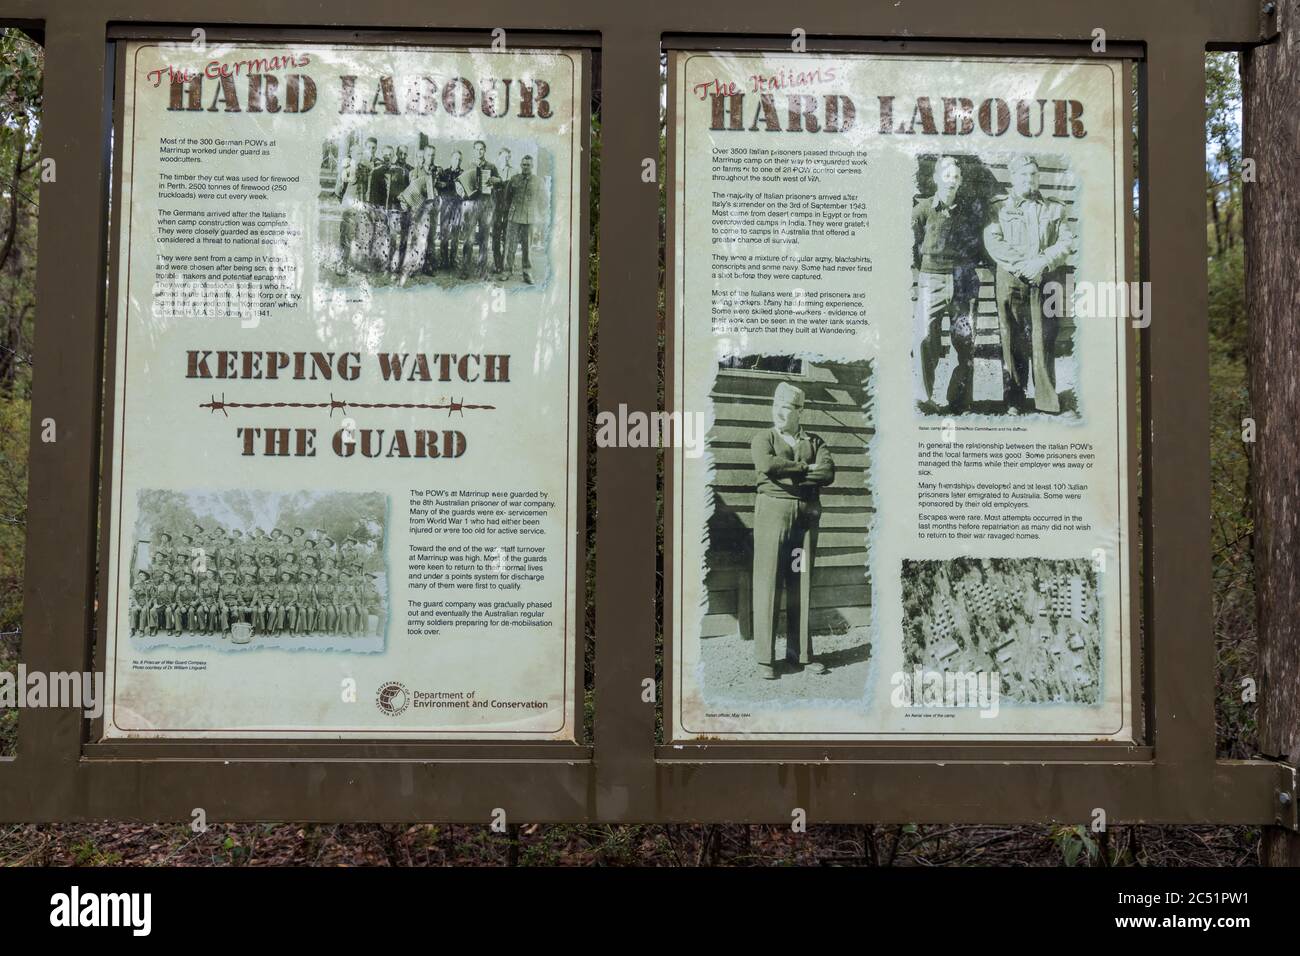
(452, 406)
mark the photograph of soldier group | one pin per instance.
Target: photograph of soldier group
(288, 582)
(1020, 234)
(428, 211)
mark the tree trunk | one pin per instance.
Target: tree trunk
(1271, 102)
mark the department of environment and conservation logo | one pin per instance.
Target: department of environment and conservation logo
(393, 698)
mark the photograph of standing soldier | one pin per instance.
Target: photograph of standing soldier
(323, 595)
(791, 467)
(945, 253)
(522, 199)
(1030, 240)
(209, 601)
(449, 211)
(228, 601)
(398, 218)
(501, 211)
(246, 612)
(143, 605)
(420, 202)
(166, 597)
(476, 187)
(356, 227)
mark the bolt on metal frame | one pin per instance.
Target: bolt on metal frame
(622, 777)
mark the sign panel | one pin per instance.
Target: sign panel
(901, 322)
(346, 390)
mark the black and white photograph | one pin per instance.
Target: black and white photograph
(788, 609)
(994, 243)
(238, 570)
(406, 212)
(1035, 622)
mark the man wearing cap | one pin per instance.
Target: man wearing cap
(352, 601)
(945, 251)
(500, 210)
(478, 185)
(792, 466)
(286, 596)
(306, 599)
(187, 599)
(166, 596)
(164, 553)
(247, 610)
(217, 548)
(279, 545)
(524, 198)
(142, 607)
(370, 600)
(227, 601)
(267, 575)
(209, 601)
(1030, 239)
(264, 609)
(323, 596)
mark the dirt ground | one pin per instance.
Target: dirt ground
(731, 673)
(116, 844)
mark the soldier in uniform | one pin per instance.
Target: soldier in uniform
(259, 545)
(279, 545)
(248, 600)
(247, 564)
(187, 602)
(792, 466)
(264, 608)
(187, 556)
(164, 553)
(355, 230)
(306, 598)
(167, 603)
(267, 574)
(326, 610)
(522, 199)
(477, 185)
(501, 210)
(287, 598)
(945, 251)
(420, 202)
(228, 603)
(449, 211)
(370, 597)
(350, 551)
(349, 611)
(235, 549)
(1030, 240)
(217, 545)
(399, 218)
(142, 605)
(209, 603)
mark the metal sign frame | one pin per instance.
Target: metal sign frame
(621, 776)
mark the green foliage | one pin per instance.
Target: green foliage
(22, 69)
(1232, 531)
(1076, 843)
(15, 413)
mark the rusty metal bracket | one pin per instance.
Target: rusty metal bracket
(1286, 799)
(1268, 17)
(1287, 815)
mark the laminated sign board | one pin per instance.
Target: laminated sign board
(900, 318)
(343, 479)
